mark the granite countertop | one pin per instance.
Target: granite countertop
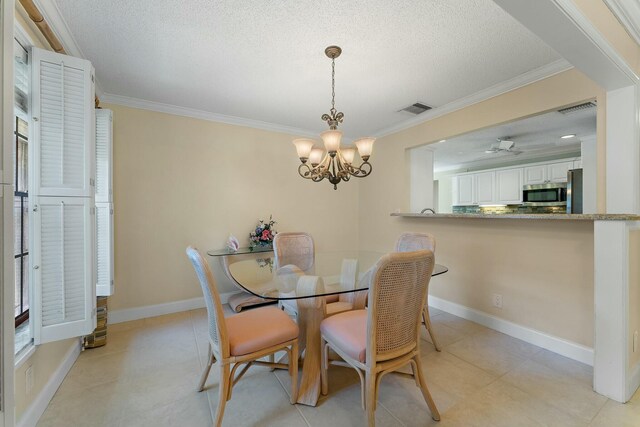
(569, 217)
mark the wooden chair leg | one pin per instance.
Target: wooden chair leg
(272, 359)
(427, 325)
(293, 371)
(210, 361)
(324, 366)
(223, 392)
(370, 384)
(425, 391)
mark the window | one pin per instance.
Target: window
(21, 224)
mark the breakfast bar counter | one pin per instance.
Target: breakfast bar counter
(569, 217)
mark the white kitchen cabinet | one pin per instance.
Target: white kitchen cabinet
(509, 186)
(463, 190)
(557, 172)
(485, 187)
(535, 174)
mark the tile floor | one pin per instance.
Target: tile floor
(147, 374)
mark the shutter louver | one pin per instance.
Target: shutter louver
(103, 155)
(104, 249)
(62, 199)
(63, 122)
(63, 227)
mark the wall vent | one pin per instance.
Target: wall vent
(416, 108)
(578, 107)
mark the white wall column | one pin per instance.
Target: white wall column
(589, 155)
(613, 376)
(420, 178)
(623, 189)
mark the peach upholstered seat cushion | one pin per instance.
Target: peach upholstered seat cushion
(348, 331)
(338, 307)
(258, 329)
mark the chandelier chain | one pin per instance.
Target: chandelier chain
(333, 84)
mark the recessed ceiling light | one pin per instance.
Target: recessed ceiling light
(571, 135)
(442, 140)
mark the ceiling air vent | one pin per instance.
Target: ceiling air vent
(578, 107)
(416, 108)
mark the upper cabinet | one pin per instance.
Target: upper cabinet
(549, 172)
(509, 186)
(535, 174)
(485, 187)
(558, 171)
(503, 186)
(463, 190)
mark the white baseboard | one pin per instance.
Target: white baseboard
(39, 405)
(634, 381)
(127, 314)
(561, 346)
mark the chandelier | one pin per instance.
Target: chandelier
(337, 163)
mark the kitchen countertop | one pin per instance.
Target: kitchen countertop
(567, 217)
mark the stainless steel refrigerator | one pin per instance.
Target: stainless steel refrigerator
(574, 191)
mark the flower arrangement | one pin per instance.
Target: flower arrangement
(263, 234)
(265, 262)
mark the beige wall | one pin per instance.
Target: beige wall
(181, 181)
(608, 25)
(45, 361)
(544, 270)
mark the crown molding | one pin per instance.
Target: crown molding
(51, 13)
(203, 115)
(628, 13)
(525, 79)
(507, 86)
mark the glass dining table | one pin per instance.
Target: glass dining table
(345, 275)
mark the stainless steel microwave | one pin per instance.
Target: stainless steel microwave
(548, 194)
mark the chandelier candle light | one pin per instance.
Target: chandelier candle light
(337, 163)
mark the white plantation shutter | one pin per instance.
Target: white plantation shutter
(104, 155)
(62, 197)
(104, 249)
(63, 121)
(63, 271)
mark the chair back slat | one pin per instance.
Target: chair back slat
(294, 248)
(409, 242)
(215, 314)
(396, 298)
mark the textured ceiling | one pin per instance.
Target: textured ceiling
(536, 137)
(264, 60)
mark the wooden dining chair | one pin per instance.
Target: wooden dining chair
(385, 337)
(243, 338)
(298, 248)
(408, 242)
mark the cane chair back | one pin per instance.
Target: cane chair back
(294, 248)
(215, 314)
(396, 298)
(409, 242)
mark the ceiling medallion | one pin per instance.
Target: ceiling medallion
(337, 163)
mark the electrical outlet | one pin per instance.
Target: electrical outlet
(635, 341)
(497, 300)
(29, 379)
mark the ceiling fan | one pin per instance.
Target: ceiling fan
(503, 146)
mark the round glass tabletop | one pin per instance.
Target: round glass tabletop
(341, 271)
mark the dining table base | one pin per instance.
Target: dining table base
(310, 315)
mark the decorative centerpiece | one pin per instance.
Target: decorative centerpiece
(262, 236)
(233, 244)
